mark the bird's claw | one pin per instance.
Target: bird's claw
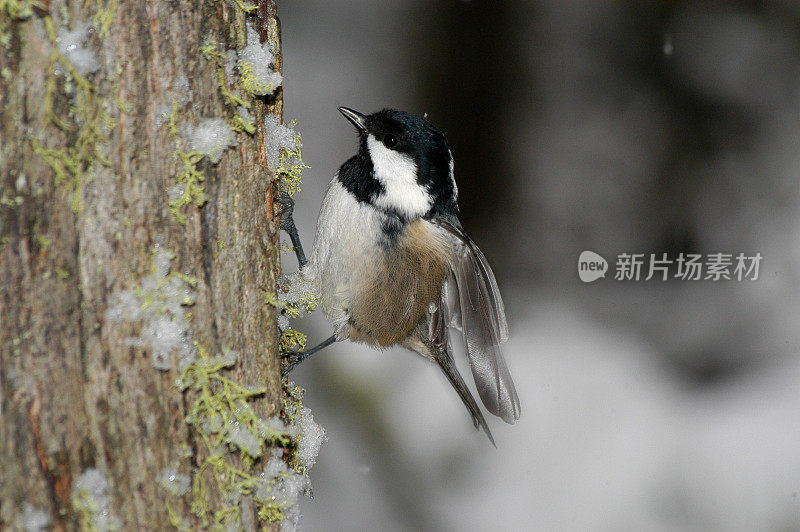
(292, 360)
(286, 211)
(286, 216)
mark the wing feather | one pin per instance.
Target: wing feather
(471, 302)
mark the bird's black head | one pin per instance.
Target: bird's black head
(403, 166)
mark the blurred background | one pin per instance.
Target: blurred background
(628, 127)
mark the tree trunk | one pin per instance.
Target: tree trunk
(125, 280)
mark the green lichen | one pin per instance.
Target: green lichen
(270, 298)
(247, 7)
(172, 119)
(220, 246)
(240, 124)
(290, 166)
(5, 42)
(250, 82)
(309, 302)
(17, 9)
(43, 241)
(293, 408)
(176, 520)
(104, 15)
(191, 178)
(272, 513)
(292, 402)
(191, 182)
(87, 121)
(154, 298)
(291, 339)
(293, 302)
(86, 509)
(9, 200)
(220, 408)
(91, 504)
(290, 310)
(211, 51)
(122, 106)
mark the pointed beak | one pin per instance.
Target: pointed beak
(358, 120)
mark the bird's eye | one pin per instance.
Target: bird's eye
(390, 141)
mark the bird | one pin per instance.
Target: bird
(392, 265)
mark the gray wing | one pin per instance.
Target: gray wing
(471, 302)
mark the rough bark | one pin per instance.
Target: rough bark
(73, 394)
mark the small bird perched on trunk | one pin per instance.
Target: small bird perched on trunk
(392, 265)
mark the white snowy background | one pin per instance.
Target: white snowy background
(626, 127)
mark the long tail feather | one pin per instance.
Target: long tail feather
(449, 369)
(437, 346)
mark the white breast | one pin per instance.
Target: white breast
(344, 249)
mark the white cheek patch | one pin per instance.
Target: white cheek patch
(398, 175)
(453, 175)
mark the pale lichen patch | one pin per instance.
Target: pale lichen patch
(73, 47)
(91, 502)
(160, 304)
(257, 72)
(35, 519)
(173, 482)
(284, 153)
